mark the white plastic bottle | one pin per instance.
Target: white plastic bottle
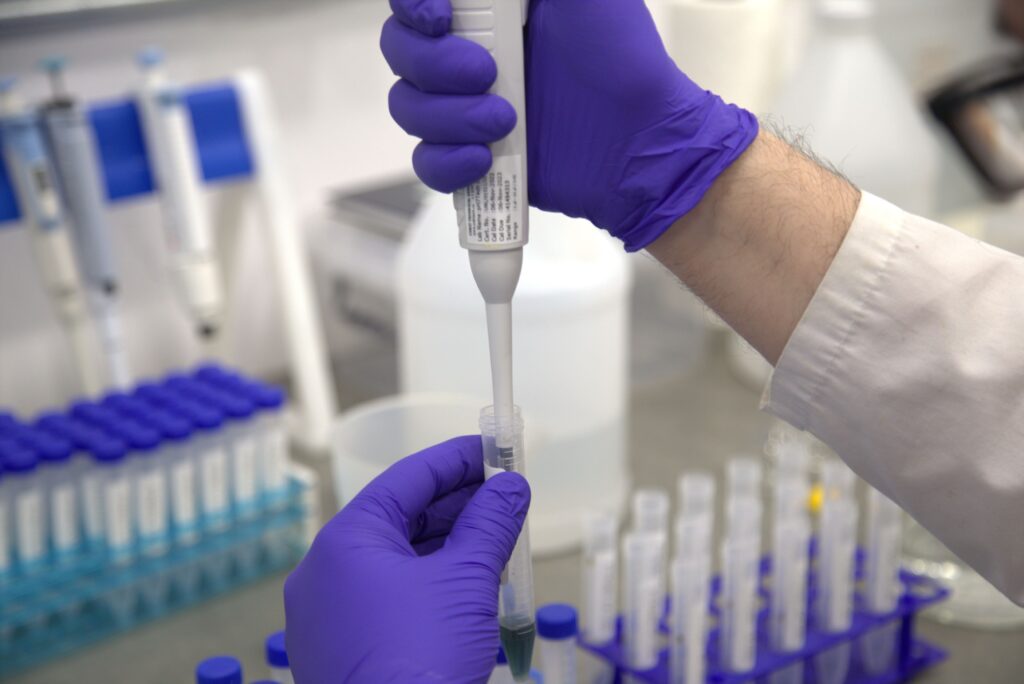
(856, 111)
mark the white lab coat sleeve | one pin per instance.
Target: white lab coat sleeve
(909, 362)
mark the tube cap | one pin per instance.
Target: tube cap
(17, 458)
(277, 656)
(108, 450)
(502, 658)
(219, 670)
(171, 426)
(49, 447)
(556, 621)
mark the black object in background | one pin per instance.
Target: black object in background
(984, 111)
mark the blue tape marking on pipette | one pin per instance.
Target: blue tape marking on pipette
(220, 138)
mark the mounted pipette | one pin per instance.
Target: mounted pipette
(35, 183)
(168, 129)
(493, 226)
(74, 154)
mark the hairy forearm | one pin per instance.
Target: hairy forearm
(758, 245)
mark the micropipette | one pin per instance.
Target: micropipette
(167, 126)
(73, 150)
(493, 226)
(36, 186)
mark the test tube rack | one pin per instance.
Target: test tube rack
(53, 613)
(896, 630)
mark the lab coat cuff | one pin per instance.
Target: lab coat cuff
(835, 316)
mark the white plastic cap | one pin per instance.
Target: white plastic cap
(847, 9)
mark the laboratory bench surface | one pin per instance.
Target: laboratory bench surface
(698, 420)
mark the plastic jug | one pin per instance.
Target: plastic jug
(570, 332)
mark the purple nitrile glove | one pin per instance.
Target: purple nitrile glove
(402, 585)
(617, 134)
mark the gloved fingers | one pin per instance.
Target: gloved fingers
(432, 17)
(401, 494)
(486, 532)
(429, 546)
(438, 518)
(451, 119)
(446, 64)
(446, 168)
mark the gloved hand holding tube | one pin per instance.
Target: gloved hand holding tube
(402, 585)
(616, 133)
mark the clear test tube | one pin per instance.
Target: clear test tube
(115, 493)
(741, 551)
(650, 516)
(6, 560)
(26, 493)
(600, 576)
(502, 673)
(60, 491)
(834, 605)
(788, 604)
(641, 554)
(690, 580)
(211, 463)
(515, 595)
(743, 477)
(150, 504)
(87, 517)
(558, 629)
(696, 495)
(882, 585)
(274, 458)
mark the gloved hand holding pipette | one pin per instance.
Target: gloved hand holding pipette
(616, 132)
(402, 585)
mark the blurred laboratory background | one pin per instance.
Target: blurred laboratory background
(213, 252)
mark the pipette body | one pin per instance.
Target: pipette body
(167, 127)
(71, 144)
(35, 183)
(493, 226)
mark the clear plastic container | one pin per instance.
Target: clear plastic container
(558, 630)
(369, 438)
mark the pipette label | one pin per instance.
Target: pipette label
(489, 210)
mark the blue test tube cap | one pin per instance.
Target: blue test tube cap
(202, 416)
(277, 655)
(17, 457)
(266, 396)
(50, 448)
(219, 670)
(557, 621)
(139, 437)
(502, 658)
(173, 428)
(108, 450)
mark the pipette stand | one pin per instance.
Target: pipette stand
(235, 140)
(911, 655)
